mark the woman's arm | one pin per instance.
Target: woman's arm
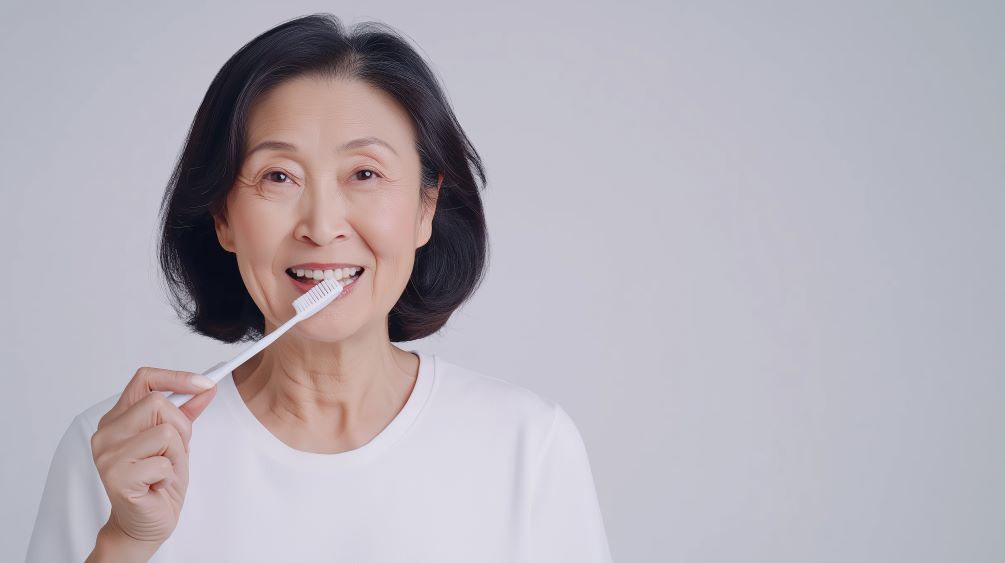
(74, 506)
(566, 523)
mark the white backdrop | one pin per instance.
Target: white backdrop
(756, 251)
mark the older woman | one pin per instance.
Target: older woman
(318, 153)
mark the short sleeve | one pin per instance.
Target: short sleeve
(74, 504)
(566, 523)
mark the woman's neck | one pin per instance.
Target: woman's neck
(323, 397)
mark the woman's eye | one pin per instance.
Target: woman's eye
(370, 174)
(276, 175)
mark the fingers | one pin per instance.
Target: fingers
(132, 481)
(156, 468)
(160, 441)
(146, 380)
(152, 470)
(149, 457)
(150, 411)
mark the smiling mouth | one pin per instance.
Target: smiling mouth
(344, 280)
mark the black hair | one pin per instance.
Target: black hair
(206, 287)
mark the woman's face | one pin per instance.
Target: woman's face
(327, 199)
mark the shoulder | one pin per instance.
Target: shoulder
(486, 390)
(473, 395)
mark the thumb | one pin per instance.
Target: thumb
(198, 403)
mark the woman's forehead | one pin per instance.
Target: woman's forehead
(331, 113)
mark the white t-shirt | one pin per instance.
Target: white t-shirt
(472, 469)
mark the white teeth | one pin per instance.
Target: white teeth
(341, 274)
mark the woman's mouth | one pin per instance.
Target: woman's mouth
(305, 283)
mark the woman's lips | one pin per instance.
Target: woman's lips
(346, 289)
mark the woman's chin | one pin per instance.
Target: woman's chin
(325, 326)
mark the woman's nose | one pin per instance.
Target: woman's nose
(321, 215)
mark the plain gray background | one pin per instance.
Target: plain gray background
(754, 249)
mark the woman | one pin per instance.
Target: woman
(325, 153)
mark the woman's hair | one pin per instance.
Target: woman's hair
(203, 278)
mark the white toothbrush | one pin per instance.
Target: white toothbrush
(306, 305)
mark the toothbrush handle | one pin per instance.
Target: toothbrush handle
(218, 371)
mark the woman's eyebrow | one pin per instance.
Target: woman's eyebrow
(355, 143)
(364, 141)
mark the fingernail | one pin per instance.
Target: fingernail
(201, 381)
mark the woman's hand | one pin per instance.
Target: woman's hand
(141, 452)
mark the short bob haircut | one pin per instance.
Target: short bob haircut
(206, 287)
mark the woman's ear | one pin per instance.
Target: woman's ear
(223, 233)
(428, 211)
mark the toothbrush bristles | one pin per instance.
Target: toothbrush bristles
(327, 290)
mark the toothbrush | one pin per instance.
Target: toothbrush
(306, 305)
